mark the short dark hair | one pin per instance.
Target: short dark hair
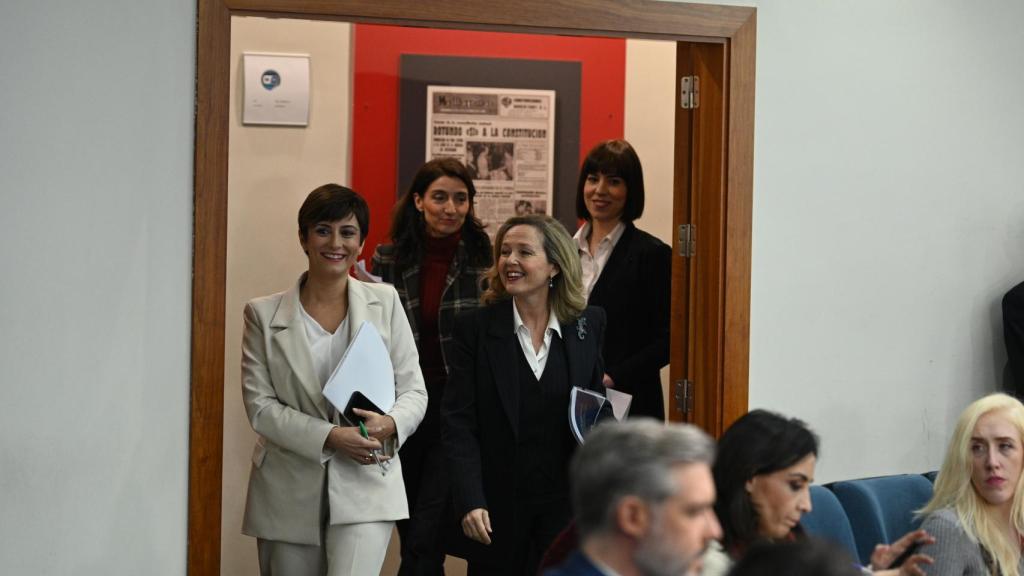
(407, 225)
(614, 158)
(332, 202)
(760, 442)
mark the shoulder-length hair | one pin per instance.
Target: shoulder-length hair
(566, 297)
(408, 229)
(614, 158)
(953, 487)
(760, 442)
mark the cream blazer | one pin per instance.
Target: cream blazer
(287, 408)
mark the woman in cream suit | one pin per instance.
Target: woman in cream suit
(317, 501)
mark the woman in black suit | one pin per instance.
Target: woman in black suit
(505, 425)
(627, 272)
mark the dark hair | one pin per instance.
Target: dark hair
(760, 442)
(804, 557)
(332, 202)
(408, 228)
(614, 158)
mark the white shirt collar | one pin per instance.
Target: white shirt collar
(517, 321)
(582, 236)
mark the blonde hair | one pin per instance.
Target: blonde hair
(566, 297)
(953, 487)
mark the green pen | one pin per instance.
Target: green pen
(376, 456)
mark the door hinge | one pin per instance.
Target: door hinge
(687, 240)
(684, 396)
(689, 92)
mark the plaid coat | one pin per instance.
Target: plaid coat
(462, 290)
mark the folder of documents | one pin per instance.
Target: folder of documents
(584, 408)
(366, 367)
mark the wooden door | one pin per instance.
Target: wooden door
(698, 387)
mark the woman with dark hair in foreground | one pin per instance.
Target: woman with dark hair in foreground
(763, 473)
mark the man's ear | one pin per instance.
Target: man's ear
(633, 516)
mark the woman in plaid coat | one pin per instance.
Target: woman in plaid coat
(436, 260)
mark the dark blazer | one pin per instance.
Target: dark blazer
(462, 289)
(480, 410)
(577, 565)
(1013, 331)
(634, 289)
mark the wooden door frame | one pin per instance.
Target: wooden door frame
(734, 27)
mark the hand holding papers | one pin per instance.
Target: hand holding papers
(365, 378)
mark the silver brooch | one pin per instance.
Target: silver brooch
(581, 328)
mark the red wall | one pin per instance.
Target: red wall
(375, 95)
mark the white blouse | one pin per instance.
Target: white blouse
(537, 359)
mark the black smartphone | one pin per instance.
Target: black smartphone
(363, 403)
(910, 551)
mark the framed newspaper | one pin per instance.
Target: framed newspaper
(505, 137)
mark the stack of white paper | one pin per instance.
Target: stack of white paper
(366, 367)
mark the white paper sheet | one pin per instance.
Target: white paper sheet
(620, 402)
(366, 367)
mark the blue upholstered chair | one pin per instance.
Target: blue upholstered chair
(827, 520)
(882, 509)
(931, 476)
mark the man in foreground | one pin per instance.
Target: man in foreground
(643, 495)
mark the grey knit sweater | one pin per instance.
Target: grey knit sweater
(955, 554)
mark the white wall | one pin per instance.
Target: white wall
(271, 170)
(96, 134)
(888, 219)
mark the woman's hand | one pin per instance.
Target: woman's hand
(379, 426)
(608, 382)
(476, 525)
(884, 554)
(351, 443)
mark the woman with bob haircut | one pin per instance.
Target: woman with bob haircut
(977, 510)
(438, 255)
(627, 272)
(505, 424)
(763, 473)
(318, 503)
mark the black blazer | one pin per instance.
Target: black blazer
(635, 291)
(480, 411)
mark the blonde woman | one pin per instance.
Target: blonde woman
(504, 417)
(977, 513)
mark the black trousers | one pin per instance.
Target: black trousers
(422, 536)
(536, 523)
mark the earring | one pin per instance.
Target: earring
(551, 282)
